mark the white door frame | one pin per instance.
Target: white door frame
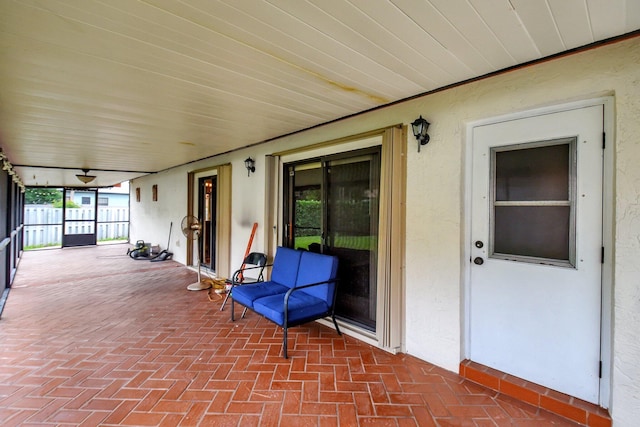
(607, 232)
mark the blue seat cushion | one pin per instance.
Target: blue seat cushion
(247, 294)
(302, 306)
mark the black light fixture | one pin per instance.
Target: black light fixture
(420, 127)
(250, 165)
(85, 178)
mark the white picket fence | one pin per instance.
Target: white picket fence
(43, 224)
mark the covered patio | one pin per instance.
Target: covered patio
(91, 337)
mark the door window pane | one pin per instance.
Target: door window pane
(533, 203)
(533, 174)
(534, 231)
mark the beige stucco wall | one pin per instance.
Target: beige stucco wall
(435, 235)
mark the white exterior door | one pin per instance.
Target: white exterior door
(536, 241)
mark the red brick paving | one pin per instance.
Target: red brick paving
(91, 337)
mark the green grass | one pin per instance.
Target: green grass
(42, 246)
(304, 242)
(109, 239)
(348, 242)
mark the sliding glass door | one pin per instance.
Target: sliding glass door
(332, 206)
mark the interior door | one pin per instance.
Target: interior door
(536, 244)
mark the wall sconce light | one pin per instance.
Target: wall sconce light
(250, 165)
(85, 178)
(420, 127)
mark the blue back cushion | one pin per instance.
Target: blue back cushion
(285, 266)
(317, 268)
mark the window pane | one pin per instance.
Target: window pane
(533, 174)
(308, 207)
(536, 231)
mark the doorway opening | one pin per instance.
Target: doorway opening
(79, 225)
(209, 199)
(207, 205)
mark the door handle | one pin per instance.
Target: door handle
(478, 261)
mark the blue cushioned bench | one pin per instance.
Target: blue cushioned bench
(302, 289)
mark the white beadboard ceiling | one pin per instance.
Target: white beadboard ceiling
(125, 87)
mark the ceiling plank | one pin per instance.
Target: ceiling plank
(434, 23)
(469, 23)
(572, 19)
(504, 22)
(540, 25)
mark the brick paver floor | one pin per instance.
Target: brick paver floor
(91, 337)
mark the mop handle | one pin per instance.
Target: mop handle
(246, 253)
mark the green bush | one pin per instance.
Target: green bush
(42, 196)
(308, 217)
(70, 204)
(351, 216)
